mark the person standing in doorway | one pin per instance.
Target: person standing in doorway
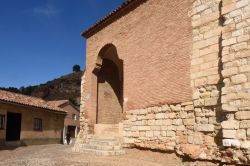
(68, 138)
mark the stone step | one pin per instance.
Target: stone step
(101, 152)
(107, 129)
(101, 147)
(105, 137)
(103, 142)
(116, 127)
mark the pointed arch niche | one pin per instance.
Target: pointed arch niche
(109, 72)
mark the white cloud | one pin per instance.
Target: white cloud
(48, 11)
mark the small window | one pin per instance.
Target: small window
(74, 116)
(2, 121)
(38, 124)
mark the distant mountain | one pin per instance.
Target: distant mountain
(67, 87)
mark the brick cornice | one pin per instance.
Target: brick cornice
(124, 9)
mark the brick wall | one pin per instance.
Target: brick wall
(69, 119)
(154, 42)
(208, 119)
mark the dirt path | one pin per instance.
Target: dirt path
(60, 155)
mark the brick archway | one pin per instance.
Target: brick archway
(109, 72)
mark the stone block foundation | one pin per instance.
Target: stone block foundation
(176, 127)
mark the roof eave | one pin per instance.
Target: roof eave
(116, 14)
(33, 106)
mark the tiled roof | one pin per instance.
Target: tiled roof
(58, 103)
(125, 8)
(28, 101)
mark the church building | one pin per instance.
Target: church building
(170, 75)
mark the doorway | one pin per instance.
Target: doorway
(72, 131)
(109, 102)
(13, 128)
(109, 94)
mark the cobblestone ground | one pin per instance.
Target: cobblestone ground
(60, 155)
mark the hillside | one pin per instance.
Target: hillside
(65, 87)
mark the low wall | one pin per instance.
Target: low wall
(181, 128)
(174, 127)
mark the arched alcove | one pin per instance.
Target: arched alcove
(109, 72)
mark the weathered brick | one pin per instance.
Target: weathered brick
(243, 38)
(229, 133)
(241, 134)
(245, 124)
(230, 71)
(231, 142)
(155, 127)
(149, 134)
(211, 101)
(156, 133)
(167, 121)
(235, 13)
(202, 120)
(144, 128)
(189, 108)
(160, 116)
(171, 134)
(188, 122)
(239, 46)
(248, 132)
(204, 127)
(177, 122)
(242, 3)
(212, 120)
(242, 115)
(230, 124)
(229, 41)
(245, 145)
(180, 128)
(229, 108)
(237, 79)
(245, 68)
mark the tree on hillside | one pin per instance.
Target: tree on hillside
(27, 90)
(76, 68)
(10, 89)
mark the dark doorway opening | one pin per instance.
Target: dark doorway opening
(109, 73)
(72, 130)
(13, 128)
(109, 94)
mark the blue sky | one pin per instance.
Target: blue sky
(40, 39)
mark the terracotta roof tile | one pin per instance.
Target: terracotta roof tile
(58, 103)
(28, 101)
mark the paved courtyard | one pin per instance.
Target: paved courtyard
(60, 155)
